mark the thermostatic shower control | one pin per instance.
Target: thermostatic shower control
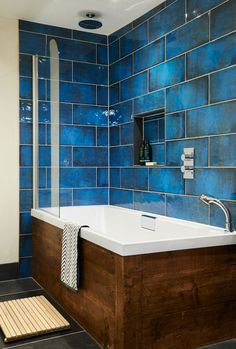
(188, 163)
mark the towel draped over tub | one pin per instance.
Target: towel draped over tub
(71, 256)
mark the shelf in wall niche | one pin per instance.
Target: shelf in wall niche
(154, 166)
(151, 127)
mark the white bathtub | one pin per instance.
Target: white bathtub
(119, 230)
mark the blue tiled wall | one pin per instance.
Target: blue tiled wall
(180, 57)
(83, 122)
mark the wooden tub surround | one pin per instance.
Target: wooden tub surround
(170, 300)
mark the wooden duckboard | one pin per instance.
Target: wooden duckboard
(29, 317)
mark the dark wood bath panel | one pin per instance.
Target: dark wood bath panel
(169, 300)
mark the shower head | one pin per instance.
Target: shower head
(91, 22)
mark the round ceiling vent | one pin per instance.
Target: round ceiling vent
(92, 22)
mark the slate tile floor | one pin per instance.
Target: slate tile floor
(223, 345)
(73, 338)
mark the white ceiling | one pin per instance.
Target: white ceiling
(66, 13)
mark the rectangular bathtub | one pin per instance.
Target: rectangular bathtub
(119, 230)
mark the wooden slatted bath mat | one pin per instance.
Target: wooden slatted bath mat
(29, 317)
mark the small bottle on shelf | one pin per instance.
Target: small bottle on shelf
(141, 153)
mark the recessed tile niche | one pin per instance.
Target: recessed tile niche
(150, 127)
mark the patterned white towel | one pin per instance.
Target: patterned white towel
(69, 258)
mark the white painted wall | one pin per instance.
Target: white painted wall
(9, 141)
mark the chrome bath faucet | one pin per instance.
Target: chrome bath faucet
(211, 200)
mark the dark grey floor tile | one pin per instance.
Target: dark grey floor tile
(17, 286)
(75, 328)
(73, 341)
(231, 344)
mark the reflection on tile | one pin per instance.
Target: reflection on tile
(149, 202)
(195, 33)
(121, 113)
(187, 208)
(223, 85)
(218, 182)
(196, 7)
(122, 198)
(90, 115)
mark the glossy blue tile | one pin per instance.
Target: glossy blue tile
(223, 19)
(151, 131)
(134, 178)
(90, 115)
(25, 267)
(42, 181)
(25, 65)
(25, 246)
(175, 125)
(122, 198)
(213, 56)
(114, 135)
(217, 216)
(165, 21)
(166, 180)
(26, 155)
(121, 113)
(149, 202)
(26, 200)
(102, 95)
(96, 196)
(66, 197)
(150, 102)
(77, 93)
(25, 223)
(211, 120)
(34, 44)
(187, 95)
(77, 177)
(26, 111)
(195, 33)
(174, 150)
(25, 88)
(44, 29)
(217, 182)
(223, 151)
(149, 55)
(158, 153)
(121, 69)
(133, 40)
(65, 70)
(44, 156)
(45, 198)
(134, 86)
(42, 135)
(90, 37)
(75, 50)
(26, 178)
(102, 54)
(65, 113)
(121, 156)
(90, 73)
(114, 51)
(90, 156)
(127, 133)
(114, 94)
(26, 133)
(223, 85)
(120, 32)
(76, 135)
(162, 130)
(102, 136)
(102, 177)
(115, 177)
(44, 112)
(149, 14)
(167, 74)
(42, 85)
(65, 156)
(196, 7)
(187, 208)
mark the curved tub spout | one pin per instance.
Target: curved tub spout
(211, 200)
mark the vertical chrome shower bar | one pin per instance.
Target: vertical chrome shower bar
(35, 131)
